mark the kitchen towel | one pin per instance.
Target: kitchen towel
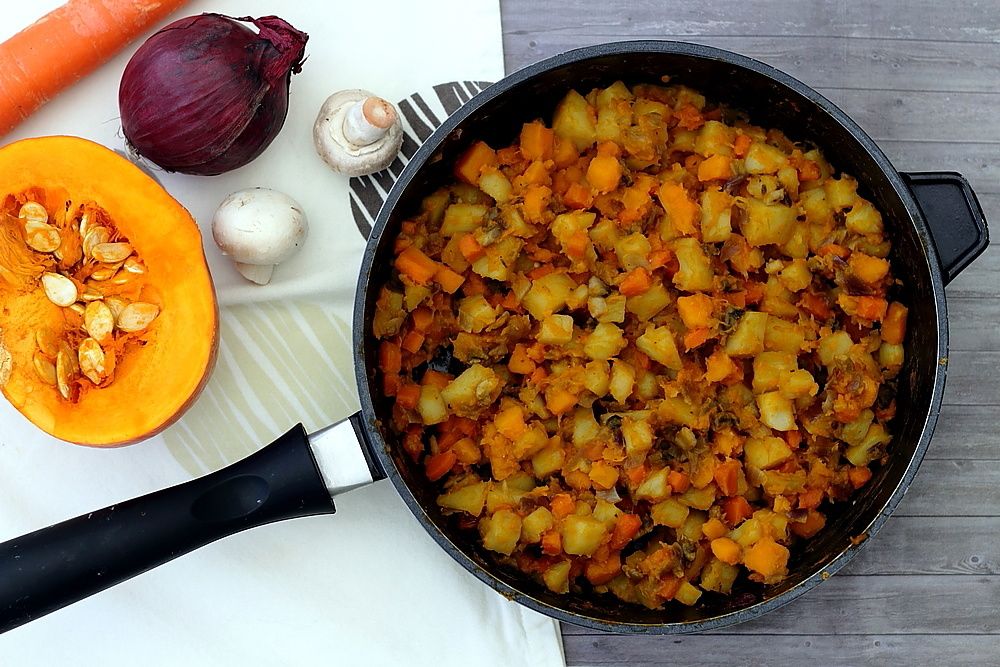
(364, 587)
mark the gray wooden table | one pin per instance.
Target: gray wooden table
(923, 78)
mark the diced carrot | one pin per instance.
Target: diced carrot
(435, 378)
(808, 170)
(637, 474)
(536, 200)
(562, 505)
(540, 271)
(679, 481)
(390, 384)
(604, 173)
(833, 249)
(470, 248)
(400, 244)
(754, 292)
(551, 543)
(871, 308)
(736, 509)
(510, 422)
(576, 244)
(742, 145)
(412, 341)
(601, 572)
(726, 550)
(413, 263)
(447, 439)
(478, 156)
(560, 401)
(682, 211)
(713, 529)
(519, 362)
(509, 155)
(688, 117)
(413, 443)
(637, 281)
(715, 167)
(449, 280)
(438, 465)
(578, 196)
(793, 438)
(813, 524)
(538, 375)
(390, 361)
(894, 324)
(859, 476)
(810, 499)
(407, 395)
(691, 162)
(537, 141)
(659, 258)
(738, 299)
(626, 528)
(474, 285)
(816, 304)
(696, 337)
(423, 318)
(668, 589)
(727, 476)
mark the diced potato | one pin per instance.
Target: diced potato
(475, 313)
(549, 460)
(567, 224)
(647, 386)
(863, 218)
(766, 453)
(501, 531)
(768, 223)
(495, 184)
(533, 440)
(693, 524)
(604, 342)
(582, 535)
(789, 178)
(645, 306)
(535, 524)
(868, 449)
(716, 216)
(891, 356)
(796, 275)
(797, 245)
(502, 496)
(776, 483)
(778, 300)
(597, 377)
(632, 251)
(714, 138)
(431, 406)
(452, 257)
(676, 410)
(476, 388)
(655, 487)
(798, 384)
(585, 427)
(556, 330)
(687, 594)
(670, 512)
(462, 218)
(764, 159)
(607, 309)
(695, 273)
(783, 336)
(622, 380)
(747, 533)
(833, 346)
(605, 234)
(748, 338)
(769, 367)
(638, 435)
(764, 187)
(658, 344)
(777, 411)
(840, 192)
(777, 522)
(499, 258)
(854, 432)
(606, 513)
(816, 207)
(683, 140)
(576, 121)
(556, 577)
(614, 113)
(469, 498)
(718, 576)
(699, 499)
(548, 295)
(435, 204)
(389, 313)
(414, 295)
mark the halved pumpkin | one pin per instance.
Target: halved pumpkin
(108, 335)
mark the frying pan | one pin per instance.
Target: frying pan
(933, 220)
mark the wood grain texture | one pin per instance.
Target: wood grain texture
(922, 78)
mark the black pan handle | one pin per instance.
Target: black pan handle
(954, 216)
(55, 566)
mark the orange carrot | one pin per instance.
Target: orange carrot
(810, 499)
(562, 505)
(635, 282)
(416, 265)
(576, 244)
(470, 248)
(389, 358)
(696, 337)
(448, 279)
(727, 476)
(412, 341)
(859, 476)
(668, 589)
(438, 465)
(436, 378)
(679, 481)
(813, 524)
(423, 318)
(735, 510)
(742, 145)
(626, 528)
(578, 196)
(551, 543)
(64, 46)
(407, 395)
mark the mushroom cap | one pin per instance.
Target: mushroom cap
(338, 151)
(259, 226)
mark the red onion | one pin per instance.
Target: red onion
(206, 94)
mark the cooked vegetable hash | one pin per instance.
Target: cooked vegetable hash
(642, 350)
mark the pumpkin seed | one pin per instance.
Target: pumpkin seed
(116, 305)
(122, 278)
(110, 253)
(67, 371)
(69, 251)
(98, 321)
(60, 289)
(32, 211)
(41, 236)
(91, 357)
(137, 316)
(95, 237)
(45, 369)
(134, 265)
(84, 224)
(105, 272)
(91, 293)
(48, 342)
(78, 309)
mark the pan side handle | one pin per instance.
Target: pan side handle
(55, 566)
(954, 216)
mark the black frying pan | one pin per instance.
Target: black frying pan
(933, 219)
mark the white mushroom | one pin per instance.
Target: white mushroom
(357, 133)
(259, 228)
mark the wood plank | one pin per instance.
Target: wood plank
(972, 324)
(973, 378)
(977, 161)
(851, 605)
(965, 432)
(979, 279)
(931, 545)
(819, 60)
(953, 488)
(735, 650)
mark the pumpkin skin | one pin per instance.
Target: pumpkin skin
(153, 382)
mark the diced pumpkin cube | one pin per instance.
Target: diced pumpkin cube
(767, 558)
(477, 157)
(695, 310)
(537, 141)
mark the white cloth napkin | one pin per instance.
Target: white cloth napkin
(366, 586)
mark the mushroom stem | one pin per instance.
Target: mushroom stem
(368, 120)
(257, 273)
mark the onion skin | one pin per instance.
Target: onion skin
(206, 94)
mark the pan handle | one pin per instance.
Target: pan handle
(55, 566)
(954, 216)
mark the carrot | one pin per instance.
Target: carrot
(576, 244)
(688, 117)
(833, 249)
(540, 271)
(894, 324)
(813, 524)
(626, 528)
(679, 481)
(635, 282)
(64, 46)
(413, 443)
(735, 509)
(423, 318)
(668, 589)
(859, 476)
(407, 395)
(793, 438)
(389, 358)
(601, 572)
(727, 477)
(578, 196)
(659, 258)
(562, 505)
(438, 465)
(871, 308)
(436, 378)
(413, 263)
(390, 384)
(473, 285)
(637, 474)
(470, 248)
(816, 304)
(810, 499)
(478, 156)
(696, 337)
(808, 171)
(412, 341)
(448, 279)
(742, 145)
(551, 543)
